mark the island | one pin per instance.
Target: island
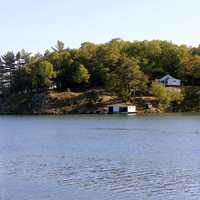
(154, 76)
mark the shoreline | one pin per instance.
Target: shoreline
(101, 114)
(71, 103)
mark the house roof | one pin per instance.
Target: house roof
(122, 105)
(166, 77)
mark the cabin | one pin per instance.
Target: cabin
(170, 81)
(114, 109)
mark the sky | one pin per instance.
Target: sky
(36, 25)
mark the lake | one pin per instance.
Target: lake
(100, 157)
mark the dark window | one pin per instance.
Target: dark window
(110, 109)
(123, 109)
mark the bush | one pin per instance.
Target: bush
(166, 97)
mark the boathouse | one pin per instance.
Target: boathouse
(112, 109)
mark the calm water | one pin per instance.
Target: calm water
(100, 157)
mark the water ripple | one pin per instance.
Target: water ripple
(132, 177)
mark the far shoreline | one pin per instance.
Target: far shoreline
(72, 103)
(111, 115)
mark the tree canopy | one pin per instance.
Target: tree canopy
(123, 67)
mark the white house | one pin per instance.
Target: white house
(170, 81)
(121, 109)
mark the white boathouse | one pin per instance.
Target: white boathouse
(114, 109)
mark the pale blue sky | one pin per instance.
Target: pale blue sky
(37, 24)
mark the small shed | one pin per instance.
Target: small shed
(148, 106)
(170, 81)
(112, 109)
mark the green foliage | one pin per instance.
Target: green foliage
(159, 91)
(81, 75)
(24, 55)
(36, 57)
(191, 100)
(9, 58)
(42, 74)
(21, 81)
(127, 78)
(166, 97)
(59, 46)
(126, 68)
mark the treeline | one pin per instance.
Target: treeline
(124, 67)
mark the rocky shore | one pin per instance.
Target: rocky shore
(59, 103)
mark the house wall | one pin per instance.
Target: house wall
(131, 109)
(173, 82)
(115, 108)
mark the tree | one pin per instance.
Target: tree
(195, 73)
(99, 76)
(127, 78)
(191, 101)
(108, 56)
(166, 97)
(42, 74)
(190, 71)
(90, 55)
(81, 75)
(36, 57)
(9, 58)
(24, 55)
(60, 46)
(21, 81)
(147, 54)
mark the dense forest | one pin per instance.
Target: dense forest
(125, 68)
